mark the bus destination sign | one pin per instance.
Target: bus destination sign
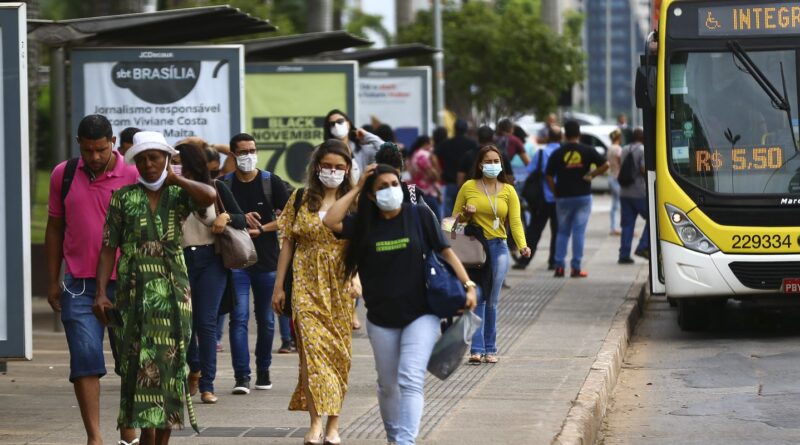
(750, 20)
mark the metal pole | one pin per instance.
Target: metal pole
(438, 61)
(608, 59)
(58, 103)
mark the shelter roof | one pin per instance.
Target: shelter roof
(387, 53)
(149, 28)
(299, 45)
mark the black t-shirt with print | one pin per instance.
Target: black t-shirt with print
(569, 164)
(391, 266)
(250, 196)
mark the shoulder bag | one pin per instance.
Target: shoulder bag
(443, 290)
(468, 249)
(235, 245)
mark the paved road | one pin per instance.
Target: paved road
(738, 385)
(549, 333)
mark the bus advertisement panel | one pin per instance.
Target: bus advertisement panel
(285, 110)
(15, 271)
(178, 91)
(399, 97)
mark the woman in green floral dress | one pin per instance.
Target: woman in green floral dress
(144, 221)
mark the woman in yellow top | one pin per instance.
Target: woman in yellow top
(489, 200)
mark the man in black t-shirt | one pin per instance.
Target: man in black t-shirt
(450, 153)
(260, 194)
(572, 165)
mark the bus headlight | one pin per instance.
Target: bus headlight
(691, 236)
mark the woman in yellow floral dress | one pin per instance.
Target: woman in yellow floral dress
(322, 304)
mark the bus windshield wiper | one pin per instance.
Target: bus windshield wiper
(778, 100)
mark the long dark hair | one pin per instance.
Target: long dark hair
(315, 191)
(351, 135)
(194, 162)
(477, 172)
(367, 214)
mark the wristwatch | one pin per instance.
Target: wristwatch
(470, 284)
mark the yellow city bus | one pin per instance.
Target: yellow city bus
(718, 87)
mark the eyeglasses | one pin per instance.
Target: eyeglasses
(337, 121)
(250, 151)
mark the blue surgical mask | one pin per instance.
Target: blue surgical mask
(492, 170)
(389, 199)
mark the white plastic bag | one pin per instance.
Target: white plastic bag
(448, 353)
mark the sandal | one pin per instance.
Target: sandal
(475, 359)
(490, 358)
(133, 442)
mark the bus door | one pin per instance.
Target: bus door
(646, 101)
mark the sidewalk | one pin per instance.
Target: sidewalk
(550, 331)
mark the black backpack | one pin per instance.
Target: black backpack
(628, 171)
(69, 175)
(532, 190)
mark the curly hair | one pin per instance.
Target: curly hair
(315, 191)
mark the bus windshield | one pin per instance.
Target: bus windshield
(726, 134)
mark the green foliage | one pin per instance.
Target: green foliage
(502, 59)
(361, 22)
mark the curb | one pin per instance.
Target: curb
(584, 419)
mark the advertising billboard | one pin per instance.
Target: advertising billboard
(399, 97)
(285, 110)
(178, 91)
(15, 270)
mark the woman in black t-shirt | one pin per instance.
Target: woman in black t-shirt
(387, 254)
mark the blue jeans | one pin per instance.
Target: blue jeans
(573, 217)
(285, 326)
(401, 360)
(207, 278)
(614, 188)
(485, 339)
(221, 326)
(449, 201)
(83, 330)
(262, 284)
(631, 207)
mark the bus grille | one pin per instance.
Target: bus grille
(765, 276)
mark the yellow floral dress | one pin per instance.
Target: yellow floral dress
(322, 310)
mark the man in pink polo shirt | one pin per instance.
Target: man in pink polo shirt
(74, 234)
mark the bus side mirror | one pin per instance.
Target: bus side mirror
(645, 87)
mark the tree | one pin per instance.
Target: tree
(502, 59)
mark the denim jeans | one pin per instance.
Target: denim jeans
(573, 217)
(401, 360)
(485, 339)
(83, 330)
(614, 188)
(262, 284)
(631, 207)
(207, 278)
(285, 325)
(449, 201)
(221, 326)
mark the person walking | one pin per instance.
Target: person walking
(153, 300)
(80, 192)
(633, 198)
(509, 144)
(208, 277)
(126, 139)
(539, 219)
(260, 195)
(425, 174)
(490, 201)
(322, 299)
(614, 160)
(569, 176)
(363, 145)
(386, 252)
(450, 154)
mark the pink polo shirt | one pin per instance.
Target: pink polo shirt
(86, 206)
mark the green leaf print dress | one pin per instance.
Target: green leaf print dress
(153, 296)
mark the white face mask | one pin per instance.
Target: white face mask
(331, 178)
(340, 131)
(389, 199)
(247, 163)
(155, 186)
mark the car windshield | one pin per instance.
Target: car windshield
(726, 134)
